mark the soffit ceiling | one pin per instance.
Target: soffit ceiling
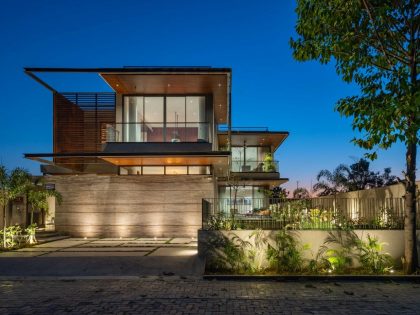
(169, 83)
(272, 139)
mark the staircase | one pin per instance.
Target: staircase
(43, 236)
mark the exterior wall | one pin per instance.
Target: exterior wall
(130, 206)
(393, 191)
(394, 240)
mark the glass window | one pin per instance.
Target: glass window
(133, 116)
(176, 170)
(153, 170)
(175, 119)
(199, 170)
(153, 126)
(196, 127)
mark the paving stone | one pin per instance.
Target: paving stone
(182, 240)
(102, 244)
(17, 254)
(108, 249)
(170, 251)
(190, 295)
(95, 254)
(39, 249)
(63, 243)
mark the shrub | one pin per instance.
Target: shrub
(286, 254)
(371, 256)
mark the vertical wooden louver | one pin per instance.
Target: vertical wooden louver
(78, 119)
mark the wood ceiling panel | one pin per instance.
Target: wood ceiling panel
(215, 84)
(168, 160)
(272, 139)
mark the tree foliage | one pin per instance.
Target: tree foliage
(357, 176)
(374, 43)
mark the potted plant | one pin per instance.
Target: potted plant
(268, 163)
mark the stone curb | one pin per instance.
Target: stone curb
(318, 278)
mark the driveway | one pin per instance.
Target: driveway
(104, 257)
(188, 295)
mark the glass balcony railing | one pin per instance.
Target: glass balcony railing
(255, 166)
(156, 132)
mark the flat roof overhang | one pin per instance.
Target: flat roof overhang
(259, 182)
(254, 138)
(218, 159)
(160, 80)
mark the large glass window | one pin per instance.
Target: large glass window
(165, 119)
(248, 158)
(165, 170)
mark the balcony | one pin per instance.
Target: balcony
(195, 132)
(270, 166)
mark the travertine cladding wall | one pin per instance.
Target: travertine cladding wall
(131, 206)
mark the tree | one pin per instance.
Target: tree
(12, 185)
(330, 183)
(361, 177)
(374, 43)
(38, 195)
(301, 193)
(357, 176)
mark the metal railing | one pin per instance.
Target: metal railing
(255, 166)
(225, 128)
(316, 213)
(156, 132)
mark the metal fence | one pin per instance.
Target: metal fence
(316, 213)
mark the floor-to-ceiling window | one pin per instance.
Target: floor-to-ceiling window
(165, 119)
(248, 158)
(245, 199)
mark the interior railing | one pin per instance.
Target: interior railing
(270, 166)
(156, 132)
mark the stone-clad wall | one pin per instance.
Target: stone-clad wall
(130, 206)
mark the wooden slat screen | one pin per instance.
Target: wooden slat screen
(78, 119)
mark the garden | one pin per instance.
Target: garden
(19, 184)
(294, 237)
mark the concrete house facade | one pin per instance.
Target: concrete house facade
(139, 160)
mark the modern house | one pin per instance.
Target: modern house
(139, 160)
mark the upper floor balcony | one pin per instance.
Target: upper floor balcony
(156, 132)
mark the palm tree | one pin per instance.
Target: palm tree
(12, 185)
(357, 176)
(301, 193)
(330, 183)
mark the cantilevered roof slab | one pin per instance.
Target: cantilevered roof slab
(254, 138)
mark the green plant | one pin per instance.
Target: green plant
(31, 233)
(12, 236)
(386, 218)
(256, 254)
(375, 45)
(38, 195)
(221, 222)
(338, 251)
(227, 253)
(286, 254)
(371, 255)
(268, 163)
(12, 185)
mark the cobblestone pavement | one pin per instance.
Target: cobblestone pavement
(181, 295)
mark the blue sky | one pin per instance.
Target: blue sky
(269, 88)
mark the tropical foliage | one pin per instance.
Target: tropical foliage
(342, 252)
(375, 44)
(12, 185)
(357, 176)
